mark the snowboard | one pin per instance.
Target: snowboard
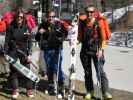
(72, 36)
(23, 69)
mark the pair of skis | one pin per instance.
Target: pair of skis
(72, 36)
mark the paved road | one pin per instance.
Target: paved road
(119, 66)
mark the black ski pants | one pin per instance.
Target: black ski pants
(86, 60)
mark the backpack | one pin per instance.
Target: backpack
(105, 32)
(31, 22)
(2, 26)
(104, 26)
(2, 36)
(8, 17)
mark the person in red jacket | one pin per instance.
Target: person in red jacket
(4, 66)
(2, 25)
(2, 34)
(17, 38)
(91, 35)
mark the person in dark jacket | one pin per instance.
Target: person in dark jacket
(90, 36)
(51, 35)
(18, 39)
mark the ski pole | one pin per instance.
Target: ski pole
(57, 74)
(60, 8)
(35, 86)
(99, 84)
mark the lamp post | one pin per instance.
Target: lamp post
(48, 4)
(103, 5)
(57, 7)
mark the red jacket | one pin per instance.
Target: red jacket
(2, 26)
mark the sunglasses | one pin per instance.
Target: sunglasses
(51, 16)
(90, 11)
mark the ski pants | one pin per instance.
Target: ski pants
(86, 61)
(15, 75)
(53, 58)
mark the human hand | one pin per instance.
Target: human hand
(78, 42)
(42, 30)
(99, 53)
(27, 33)
(69, 27)
(29, 59)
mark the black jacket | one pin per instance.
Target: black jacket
(53, 37)
(16, 39)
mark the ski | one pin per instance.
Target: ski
(23, 69)
(99, 95)
(72, 35)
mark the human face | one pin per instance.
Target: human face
(51, 17)
(20, 18)
(90, 12)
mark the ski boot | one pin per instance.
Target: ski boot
(46, 91)
(61, 94)
(61, 90)
(90, 95)
(15, 94)
(52, 90)
(107, 96)
(30, 93)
